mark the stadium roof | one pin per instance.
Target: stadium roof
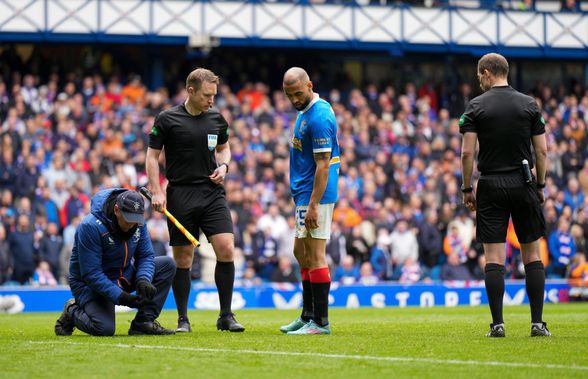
(397, 29)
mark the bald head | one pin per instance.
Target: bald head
(298, 87)
(294, 75)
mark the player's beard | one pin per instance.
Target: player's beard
(304, 105)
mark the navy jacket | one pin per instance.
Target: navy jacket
(101, 264)
(50, 250)
(23, 250)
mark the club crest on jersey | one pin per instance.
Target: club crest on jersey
(302, 126)
(136, 236)
(212, 140)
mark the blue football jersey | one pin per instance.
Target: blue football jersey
(315, 131)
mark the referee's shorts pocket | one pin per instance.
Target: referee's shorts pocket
(180, 203)
(491, 214)
(527, 215)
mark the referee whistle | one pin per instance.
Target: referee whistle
(527, 172)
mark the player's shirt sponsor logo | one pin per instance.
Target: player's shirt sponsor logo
(296, 143)
(212, 140)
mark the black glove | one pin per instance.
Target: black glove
(132, 301)
(146, 289)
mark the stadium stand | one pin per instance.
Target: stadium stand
(65, 136)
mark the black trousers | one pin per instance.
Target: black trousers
(97, 317)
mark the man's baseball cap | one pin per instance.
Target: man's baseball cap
(132, 207)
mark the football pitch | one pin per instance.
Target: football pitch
(366, 343)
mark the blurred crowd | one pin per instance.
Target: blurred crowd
(523, 5)
(399, 216)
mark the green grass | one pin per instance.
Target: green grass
(432, 342)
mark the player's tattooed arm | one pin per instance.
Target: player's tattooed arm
(322, 158)
(321, 177)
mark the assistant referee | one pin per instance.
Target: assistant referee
(197, 156)
(506, 122)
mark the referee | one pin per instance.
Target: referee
(197, 156)
(506, 122)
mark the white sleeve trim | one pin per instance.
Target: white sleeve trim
(323, 150)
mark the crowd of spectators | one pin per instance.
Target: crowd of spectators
(399, 216)
(522, 5)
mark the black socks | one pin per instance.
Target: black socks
(535, 284)
(224, 277)
(495, 290)
(181, 287)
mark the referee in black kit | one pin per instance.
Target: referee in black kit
(197, 156)
(505, 122)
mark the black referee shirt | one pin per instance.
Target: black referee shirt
(504, 120)
(189, 143)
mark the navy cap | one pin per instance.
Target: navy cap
(132, 206)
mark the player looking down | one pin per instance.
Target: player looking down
(314, 173)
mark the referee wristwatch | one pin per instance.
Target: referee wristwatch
(467, 189)
(225, 164)
(541, 185)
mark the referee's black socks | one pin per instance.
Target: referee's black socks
(494, 279)
(181, 287)
(535, 284)
(224, 277)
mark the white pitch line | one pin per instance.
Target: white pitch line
(321, 355)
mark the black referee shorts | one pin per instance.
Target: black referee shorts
(507, 195)
(201, 206)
